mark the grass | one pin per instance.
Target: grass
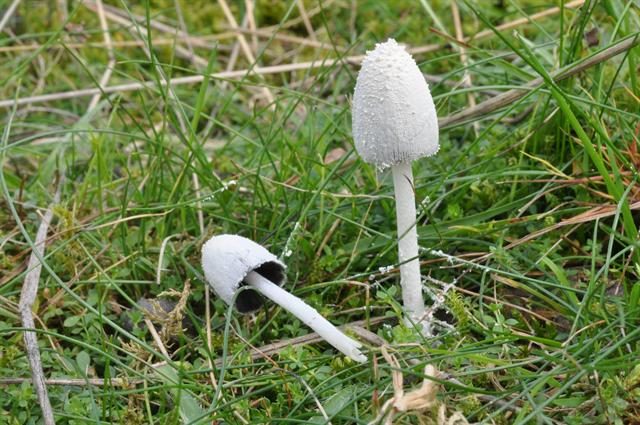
(528, 215)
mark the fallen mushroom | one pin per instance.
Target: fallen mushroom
(395, 123)
(232, 261)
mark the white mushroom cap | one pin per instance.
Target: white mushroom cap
(394, 118)
(226, 261)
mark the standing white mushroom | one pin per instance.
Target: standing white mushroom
(231, 261)
(394, 123)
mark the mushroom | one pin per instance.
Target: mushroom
(394, 123)
(231, 261)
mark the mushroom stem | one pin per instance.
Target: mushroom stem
(408, 244)
(307, 314)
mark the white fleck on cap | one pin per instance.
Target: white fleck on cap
(394, 118)
(226, 261)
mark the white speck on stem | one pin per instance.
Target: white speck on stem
(386, 269)
(455, 260)
(225, 186)
(287, 250)
(439, 300)
(424, 204)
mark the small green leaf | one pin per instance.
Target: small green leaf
(83, 360)
(190, 410)
(337, 402)
(72, 321)
(569, 401)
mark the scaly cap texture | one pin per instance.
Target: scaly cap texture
(227, 259)
(394, 118)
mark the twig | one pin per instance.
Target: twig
(231, 64)
(8, 14)
(249, 15)
(98, 382)
(156, 338)
(207, 322)
(599, 212)
(89, 44)
(260, 32)
(270, 349)
(310, 13)
(483, 108)
(305, 18)
(233, 58)
(197, 41)
(464, 59)
(117, 18)
(207, 308)
(143, 33)
(503, 27)
(183, 28)
(243, 44)
(167, 29)
(27, 298)
(262, 70)
(193, 79)
(163, 247)
(63, 7)
(528, 19)
(508, 97)
(112, 58)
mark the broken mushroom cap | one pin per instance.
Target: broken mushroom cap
(226, 261)
(394, 118)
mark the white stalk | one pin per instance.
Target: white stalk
(307, 314)
(408, 244)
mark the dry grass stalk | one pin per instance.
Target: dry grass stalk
(464, 59)
(288, 38)
(27, 299)
(250, 17)
(246, 50)
(124, 21)
(170, 321)
(183, 28)
(74, 382)
(356, 327)
(202, 41)
(511, 96)
(326, 62)
(112, 58)
(8, 14)
(483, 108)
(207, 310)
(306, 20)
(156, 338)
(595, 213)
(522, 21)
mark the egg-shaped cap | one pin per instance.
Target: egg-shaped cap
(394, 118)
(226, 261)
